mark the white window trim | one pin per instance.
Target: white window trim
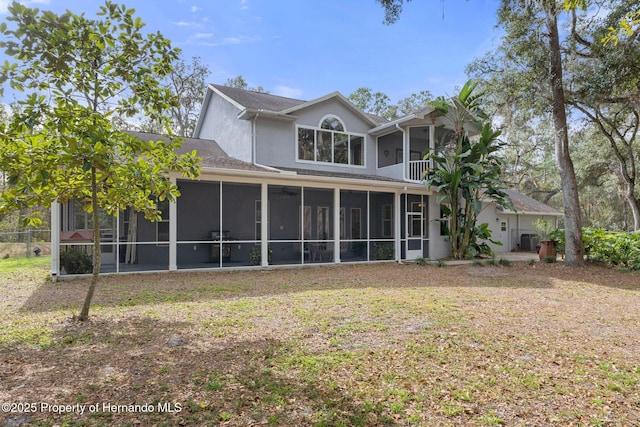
(332, 116)
(315, 142)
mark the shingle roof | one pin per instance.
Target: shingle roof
(209, 150)
(523, 203)
(258, 100)
(326, 174)
(252, 100)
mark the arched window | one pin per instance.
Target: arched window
(332, 123)
(330, 143)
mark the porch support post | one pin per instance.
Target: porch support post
(336, 225)
(264, 227)
(405, 153)
(173, 233)
(397, 225)
(55, 240)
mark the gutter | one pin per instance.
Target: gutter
(321, 182)
(250, 114)
(558, 214)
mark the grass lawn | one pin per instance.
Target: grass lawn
(353, 345)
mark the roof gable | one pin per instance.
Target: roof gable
(334, 96)
(256, 100)
(251, 102)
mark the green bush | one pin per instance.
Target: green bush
(384, 251)
(616, 249)
(74, 261)
(255, 256)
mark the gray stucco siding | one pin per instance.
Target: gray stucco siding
(221, 124)
(276, 141)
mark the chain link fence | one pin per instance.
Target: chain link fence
(27, 243)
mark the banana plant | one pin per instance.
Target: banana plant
(467, 172)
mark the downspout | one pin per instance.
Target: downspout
(405, 165)
(254, 137)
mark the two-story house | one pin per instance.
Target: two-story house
(284, 182)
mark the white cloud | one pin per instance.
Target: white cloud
(231, 41)
(195, 9)
(287, 91)
(202, 36)
(186, 24)
(244, 4)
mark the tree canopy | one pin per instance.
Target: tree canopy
(380, 104)
(77, 74)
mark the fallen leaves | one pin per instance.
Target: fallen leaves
(380, 344)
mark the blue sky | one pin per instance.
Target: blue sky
(306, 49)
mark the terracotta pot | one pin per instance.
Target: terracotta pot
(547, 249)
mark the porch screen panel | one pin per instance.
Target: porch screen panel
(319, 248)
(381, 226)
(151, 248)
(285, 239)
(353, 245)
(236, 243)
(198, 211)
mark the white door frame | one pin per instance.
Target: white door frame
(410, 216)
(503, 236)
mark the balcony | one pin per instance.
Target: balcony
(417, 169)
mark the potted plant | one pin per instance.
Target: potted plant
(255, 256)
(545, 231)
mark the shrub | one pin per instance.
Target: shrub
(384, 251)
(255, 256)
(74, 261)
(616, 249)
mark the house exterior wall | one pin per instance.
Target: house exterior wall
(276, 141)
(517, 225)
(440, 245)
(388, 146)
(221, 124)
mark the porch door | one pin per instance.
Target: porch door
(503, 235)
(415, 231)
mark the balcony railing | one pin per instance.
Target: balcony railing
(417, 169)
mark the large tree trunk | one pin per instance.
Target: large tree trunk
(574, 249)
(634, 203)
(84, 314)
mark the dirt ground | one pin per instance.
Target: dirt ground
(528, 344)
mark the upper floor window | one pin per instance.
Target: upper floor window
(330, 143)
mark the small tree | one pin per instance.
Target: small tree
(78, 73)
(467, 172)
